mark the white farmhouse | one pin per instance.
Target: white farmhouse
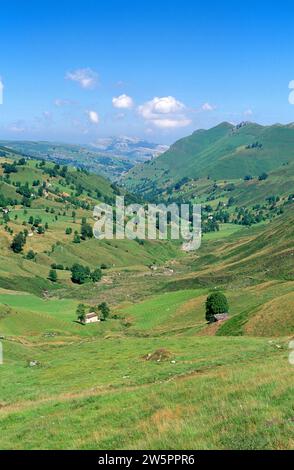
(91, 317)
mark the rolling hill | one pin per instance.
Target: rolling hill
(223, 152)
(108, 157)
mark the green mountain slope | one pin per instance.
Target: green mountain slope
(50, 202)
(223, 152)
(79, 156)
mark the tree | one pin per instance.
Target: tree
(77, 238)
(31, 254)
(96, 275)
(215, 303)
(81, 313)
(104, 311)
(18, 242)
(80, 274)
(86, 231)
(52, 275)
(263, 176)
(40, 230)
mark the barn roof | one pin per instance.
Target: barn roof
(91, 315)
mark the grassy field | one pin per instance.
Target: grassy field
(208, 393)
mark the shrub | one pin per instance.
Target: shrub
(52, 275)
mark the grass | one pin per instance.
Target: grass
(161, 310)
(245, 383)
(61, 309)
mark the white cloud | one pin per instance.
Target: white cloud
(93, 117)
(208, 107)
(171, 123)
(122, 102)
(17, 127)
(164, 105)
(86, 77)
(60, 102)
(165, 112)
(248, 112)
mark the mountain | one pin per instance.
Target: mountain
(49, 202)
(109, 157)
(80, 156)
(133, 149)
(222, 152)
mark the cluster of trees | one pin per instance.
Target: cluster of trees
(9, 168)
(54, 171)
(81, 274)
(102, 309)
(36, 222)
(210, 225)
(6, 201)
(255, 145)
(209, 222)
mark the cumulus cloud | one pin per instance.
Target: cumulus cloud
(122, 102)
(93, 117)
(164, 112)
(208, 107)
(86, 77)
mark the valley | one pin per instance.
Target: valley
(155, 374)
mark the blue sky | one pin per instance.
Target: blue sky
(78, 71)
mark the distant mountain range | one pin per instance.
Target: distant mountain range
(222, 152)
(110, 157)
(133, 149)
